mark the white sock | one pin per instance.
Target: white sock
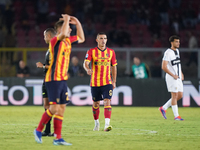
(175, 110)
(96, 122)
(107, 121)
(167, 104)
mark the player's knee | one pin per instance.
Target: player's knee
(62, 108)
(106, 102)
(96, 104)
(180, 96)
(53, 109)
(175, 96)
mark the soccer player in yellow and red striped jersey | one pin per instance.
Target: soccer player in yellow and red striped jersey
(60, 55)
(103, 63)
(56, 76)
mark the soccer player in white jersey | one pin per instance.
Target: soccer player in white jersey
(171, 64)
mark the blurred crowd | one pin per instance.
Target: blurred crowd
(128, 23)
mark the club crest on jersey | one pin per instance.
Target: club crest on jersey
(107, 55)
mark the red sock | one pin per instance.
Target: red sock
(57, 126)
(107, 111)
(95, 111)
(47, 115)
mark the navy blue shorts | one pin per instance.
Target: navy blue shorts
(102, 92)
(57, 92)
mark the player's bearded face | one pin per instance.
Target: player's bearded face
(102, 40)
(176, 43)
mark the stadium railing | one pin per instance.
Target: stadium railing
(151, 56)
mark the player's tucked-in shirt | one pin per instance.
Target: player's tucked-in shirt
(174, 62)
(101, 61)
(59, 58)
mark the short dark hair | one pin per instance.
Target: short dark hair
(51, 31)
(101, 33)
(173, 37)
(58, 24)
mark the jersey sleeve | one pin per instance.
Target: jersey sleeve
(74, 39)
(88, 56)
(53, 42)
(113, 59)
(166, 56)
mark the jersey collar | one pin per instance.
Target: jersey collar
(102, 50)
(175, 51)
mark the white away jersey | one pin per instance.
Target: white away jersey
(174, 62)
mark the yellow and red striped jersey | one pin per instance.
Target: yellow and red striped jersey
(101, 61)
(59, 58)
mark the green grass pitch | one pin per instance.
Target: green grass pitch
(135, 128)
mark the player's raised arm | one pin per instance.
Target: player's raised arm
(79, 29)
(65, 27)
(164, 68)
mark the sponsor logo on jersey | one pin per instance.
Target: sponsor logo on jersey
(176, 61)
(102, 63)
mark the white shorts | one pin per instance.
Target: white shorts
(174, 85)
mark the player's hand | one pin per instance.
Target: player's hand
(114, 85)
(66, 17)
(73, 20)
(89, 71)
(175, 77)
(39, 65)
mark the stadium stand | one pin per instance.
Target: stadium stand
(141, 19)
(133, 17)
